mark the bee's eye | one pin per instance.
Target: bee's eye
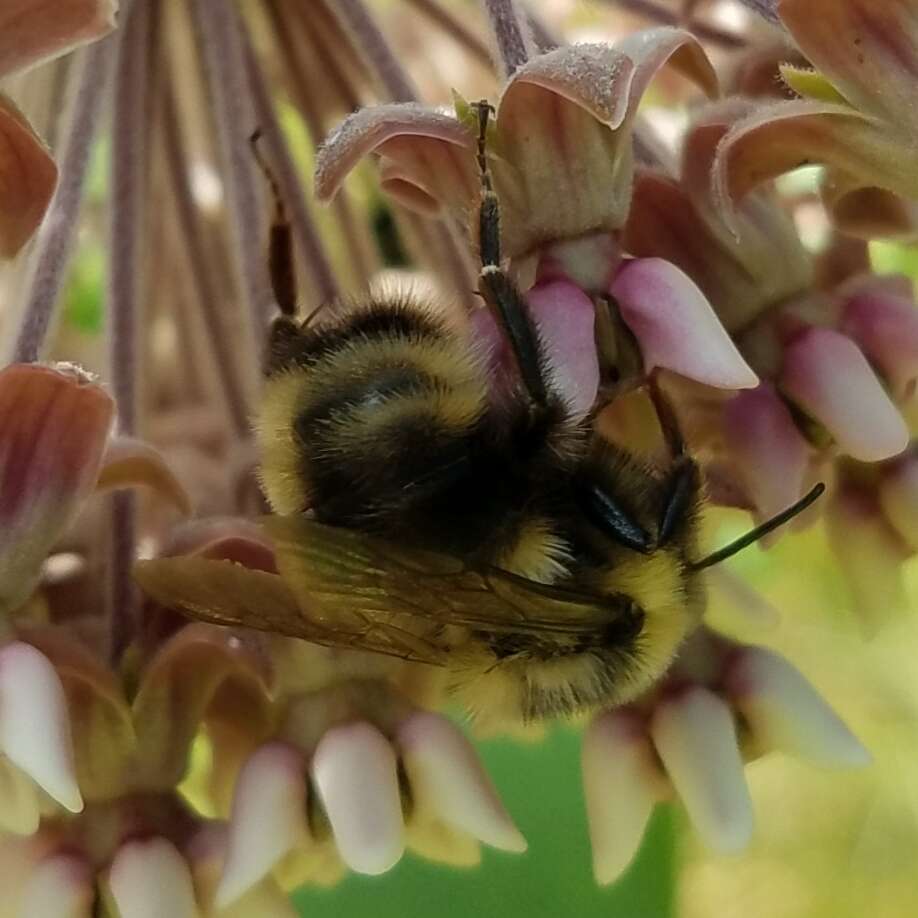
(607, 515)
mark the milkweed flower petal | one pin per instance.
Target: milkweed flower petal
(898, 497)
(770, 452)
(60, 886)
(785, 712)
(268, 818)
(675, 325)
(48, 464)
(826, 373)
(423, 151)
(149, 878)
(34, 30)
(34, 723)
(355, 771)
(695, 737)
(446, 776)
(621, 786)
(27, 179)
(868, 51)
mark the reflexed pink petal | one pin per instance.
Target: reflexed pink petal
(34, 723)
(34, 30)
(696, 739)
(150, 879)
(565, 318)
(445, 773)
(355, 772)
(827, 375)
(27, 178)
(784, 136)
(48, 464)
(430, 150)
(129, 462)
(61, 886)
(101, 729)
(868, 50)
(886, 329)
(785, 712)
(870, 555)
(651, 49)
(771, 454)
(620, 783)
(675, 325)
(268, 818)
(898, 495)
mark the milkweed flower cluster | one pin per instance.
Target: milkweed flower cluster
(149, 765)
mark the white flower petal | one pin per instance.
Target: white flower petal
(150, 879)
(785, 712)
(59, 887)
(696, 739)
(445, 772)
(268, 818)
(354, 769)
(620, 789)
(34, 723)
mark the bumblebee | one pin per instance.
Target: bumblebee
(419, 515)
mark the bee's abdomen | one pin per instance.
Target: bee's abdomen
(368, 421)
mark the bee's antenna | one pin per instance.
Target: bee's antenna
(728, 551)
(280, 246)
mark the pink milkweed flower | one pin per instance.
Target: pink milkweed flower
(560, 151)
(855, 116)
(32, 31)
(55, 451)
(721, 703)
(835, 363)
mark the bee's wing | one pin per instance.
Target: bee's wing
(350, 577)
(226, 593)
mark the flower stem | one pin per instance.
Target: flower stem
(439, 14)
(304, 229)
(218, 31)
(131, 127)
(656, 12)
(376, 50)
(513, 46)
(208, 299)
(52, 251)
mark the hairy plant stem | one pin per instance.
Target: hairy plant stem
(512, 42)
(357, 246)
(218, 31)
(55, 238)
(129, 184)
(208, 298)
(661, 14)
(453, 26)
(304, 229)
